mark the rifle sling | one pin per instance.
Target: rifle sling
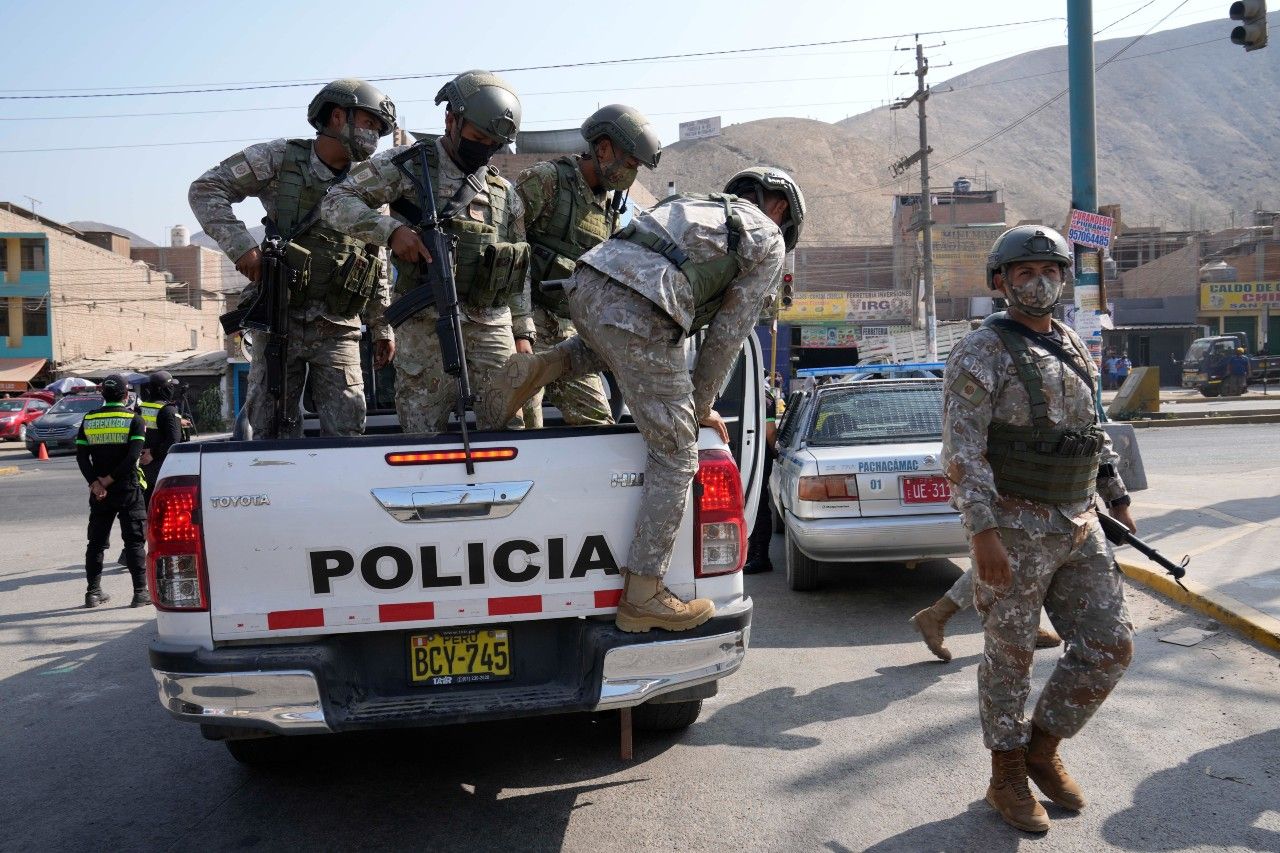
(1056, 349)
(461, 200)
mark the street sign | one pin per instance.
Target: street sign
(1090, 229)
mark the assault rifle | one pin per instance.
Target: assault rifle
(1118, 534)
(436, 288)
(269, 314)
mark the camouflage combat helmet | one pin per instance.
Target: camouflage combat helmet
(1027, 243)
(629, 130)
(349, 93)
(747, 183)
(486, 100)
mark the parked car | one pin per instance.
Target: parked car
(57, 428)
(859, 475)
(16, 414)
(40, 394)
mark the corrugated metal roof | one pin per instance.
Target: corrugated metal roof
(180, 363)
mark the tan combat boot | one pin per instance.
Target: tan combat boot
(518, 380)
(1047, 639)
(1010, 794)
(932, 622)
(1046, 769)
(646, 603)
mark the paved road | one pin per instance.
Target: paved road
(838, 734)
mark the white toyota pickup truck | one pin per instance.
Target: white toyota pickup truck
(338, 584)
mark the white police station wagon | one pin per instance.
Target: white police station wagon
(859, 474)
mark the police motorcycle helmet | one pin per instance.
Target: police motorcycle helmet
(1028, 243)
(486, 100)
(749, 184)
(351, 94)
(628, 128)
(160, 387)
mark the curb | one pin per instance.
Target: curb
(1252, 623)
(9, 470)
(1223, 420)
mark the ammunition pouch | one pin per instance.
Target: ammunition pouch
(487, 271)
(1054, 466)
(332, 269)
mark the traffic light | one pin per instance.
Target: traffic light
(1252, 32)
(786, 293)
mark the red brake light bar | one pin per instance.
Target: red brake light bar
(443, 457)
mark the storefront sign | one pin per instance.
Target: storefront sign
(828, 337)
(1090, 229)
(960, 258)
(1239, 295)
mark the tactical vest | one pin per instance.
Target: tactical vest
(486, 269)
(150, 411)
(1042, 462)
(707, 279)
(570, 229)
(332, 268)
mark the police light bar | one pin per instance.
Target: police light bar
(444, 457)
(806, 372)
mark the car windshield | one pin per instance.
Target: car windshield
(76, 404)
(10, 405)
(879, 413)
(1197, 352)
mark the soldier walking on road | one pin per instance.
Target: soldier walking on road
(1027, 459)
(693, 262)
(340, 278)
(571, 205)
(932, 621)
(482, 211)
(108, 449)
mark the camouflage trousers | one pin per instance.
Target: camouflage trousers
(1072, 576)
(648, 361)
(324, 356)
(580, 399)
(961, 592)
(425, 394)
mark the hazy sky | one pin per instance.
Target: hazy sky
(135, 155)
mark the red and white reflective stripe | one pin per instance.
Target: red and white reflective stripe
(419, 611)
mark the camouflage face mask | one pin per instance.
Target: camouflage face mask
(1036, 296)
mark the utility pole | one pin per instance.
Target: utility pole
(924, 221)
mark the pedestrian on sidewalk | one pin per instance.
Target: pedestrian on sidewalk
(1109, 371)
(1122, 368)
(1027, 459)
(108, 451)
(1237, 374)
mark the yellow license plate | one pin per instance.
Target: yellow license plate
(459, 656)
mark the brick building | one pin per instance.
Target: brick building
(66, 298)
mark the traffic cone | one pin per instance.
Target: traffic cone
(43, 455)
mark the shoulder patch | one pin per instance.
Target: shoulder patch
(966, 386)
(239, 166)
(364, 173)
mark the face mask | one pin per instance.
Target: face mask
(360, 143)
(618, 176)
(1036, 296)
(472, 155)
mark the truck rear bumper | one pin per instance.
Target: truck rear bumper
(328, 686)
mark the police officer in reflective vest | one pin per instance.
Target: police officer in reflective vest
(108, 449)
(339, 278)
(163, 423)
(481, 210)
(694, 262)
(1027, 460)
(571, 205)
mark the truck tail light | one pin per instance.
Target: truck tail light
(829, 487)
(719, 527)
(175, 546)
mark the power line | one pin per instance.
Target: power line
(554, 66)
(1124, 17)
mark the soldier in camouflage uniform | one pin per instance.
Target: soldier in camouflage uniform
(339, 277)
(932, 621)
(571, 205)
(1026, 459)
(693, 262)
(478, 207)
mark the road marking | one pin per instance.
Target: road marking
(1252, 623)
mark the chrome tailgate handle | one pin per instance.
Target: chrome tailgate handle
(459, 502)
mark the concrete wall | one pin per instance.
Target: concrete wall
(1174, 274)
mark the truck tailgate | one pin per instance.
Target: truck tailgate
(303, 542)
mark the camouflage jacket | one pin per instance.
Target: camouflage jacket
(698, 225)
(254, 172)
(981, 386)
(537, 186)
(353, 206)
